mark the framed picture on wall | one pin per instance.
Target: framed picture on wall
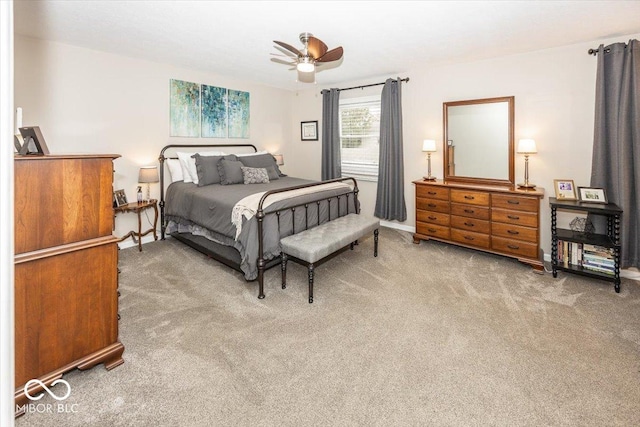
(592, 195)
(565, 189)
(309, 131)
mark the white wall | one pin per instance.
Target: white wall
(554, 92)
(93, 102)
(89, 101)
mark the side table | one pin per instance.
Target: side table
(138, 208)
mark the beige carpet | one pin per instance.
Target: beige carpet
(427, 334)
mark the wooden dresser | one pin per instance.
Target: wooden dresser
(494, 219)
(66, 273)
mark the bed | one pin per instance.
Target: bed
(241, 224)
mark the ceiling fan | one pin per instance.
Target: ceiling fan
(312, 56)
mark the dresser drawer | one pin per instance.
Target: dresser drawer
(527, 219)
(514, 247)
(432, 205)
(432, 230)
(470, 238)
(470, 197)
(432, 192)
(470, 224)
(520, 203)
(470, 211)
(514, 232)
(433, 217)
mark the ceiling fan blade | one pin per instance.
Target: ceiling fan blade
(332, 55)
(288, 47)
(307, 77)
(280, 61)
(286, 52)
(316, 47)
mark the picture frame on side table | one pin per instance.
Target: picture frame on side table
(309, 130)
(32, 141)
(119, 198)
(592, 195)
(565, 189)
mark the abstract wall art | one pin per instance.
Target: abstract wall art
(214, 112)
(184, 108)
(238, 111)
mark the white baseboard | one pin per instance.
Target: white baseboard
(396, 226)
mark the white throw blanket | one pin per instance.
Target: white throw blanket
(248, 206)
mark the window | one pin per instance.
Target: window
(360, 137)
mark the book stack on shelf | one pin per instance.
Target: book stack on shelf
(590, 257)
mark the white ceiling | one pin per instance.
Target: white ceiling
(380, 38)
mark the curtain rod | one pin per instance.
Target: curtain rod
(594, 52)
(406, 79)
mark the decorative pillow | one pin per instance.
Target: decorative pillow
(255, 175)
(263, 160)
(273, 173)
(207, 168)
(230, 172)
(175, 170)
(188, 164)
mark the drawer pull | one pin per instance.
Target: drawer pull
(469, 197)
(513, 217)
(469, 238)
(431, 205)
(514, 247)
(468, 224)
(433, 193)
(432, 218)
(513, 232)
(513, 202)
(431, 230)
(469, 211)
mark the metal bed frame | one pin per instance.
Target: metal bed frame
(229, 255)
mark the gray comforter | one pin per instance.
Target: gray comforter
(210, 207)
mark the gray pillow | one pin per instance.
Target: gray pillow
(273, 173)
(207, 168)
(230, 172)
(260, 161)
(255, 175)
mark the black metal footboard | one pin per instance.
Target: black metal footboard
(260, 216)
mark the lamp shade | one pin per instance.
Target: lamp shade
(429, 145)
(306, 66)
(279, 159)
(527, 146)
(148, 174)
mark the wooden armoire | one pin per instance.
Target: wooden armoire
(66, 272)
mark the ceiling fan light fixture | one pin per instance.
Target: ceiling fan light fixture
(306, 67)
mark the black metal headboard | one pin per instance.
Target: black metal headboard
(162, 158)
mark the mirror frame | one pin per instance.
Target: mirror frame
(479, 180)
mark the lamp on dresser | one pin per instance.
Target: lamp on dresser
(148, 175)
(526, 147)
(429, 146)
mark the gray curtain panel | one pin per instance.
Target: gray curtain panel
(331, 161)
(616, 146)
(390, 203)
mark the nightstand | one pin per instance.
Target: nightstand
(138, 208)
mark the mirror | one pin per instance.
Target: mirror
(478, 141)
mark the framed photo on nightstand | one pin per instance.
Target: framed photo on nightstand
(565, 189)
(592, 195)
(119, 198)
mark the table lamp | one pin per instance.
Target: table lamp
(148, 175)
(429, 146)
(526, 147)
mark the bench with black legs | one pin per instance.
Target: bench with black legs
(314, 246)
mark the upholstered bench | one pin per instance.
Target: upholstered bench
(314, 246)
